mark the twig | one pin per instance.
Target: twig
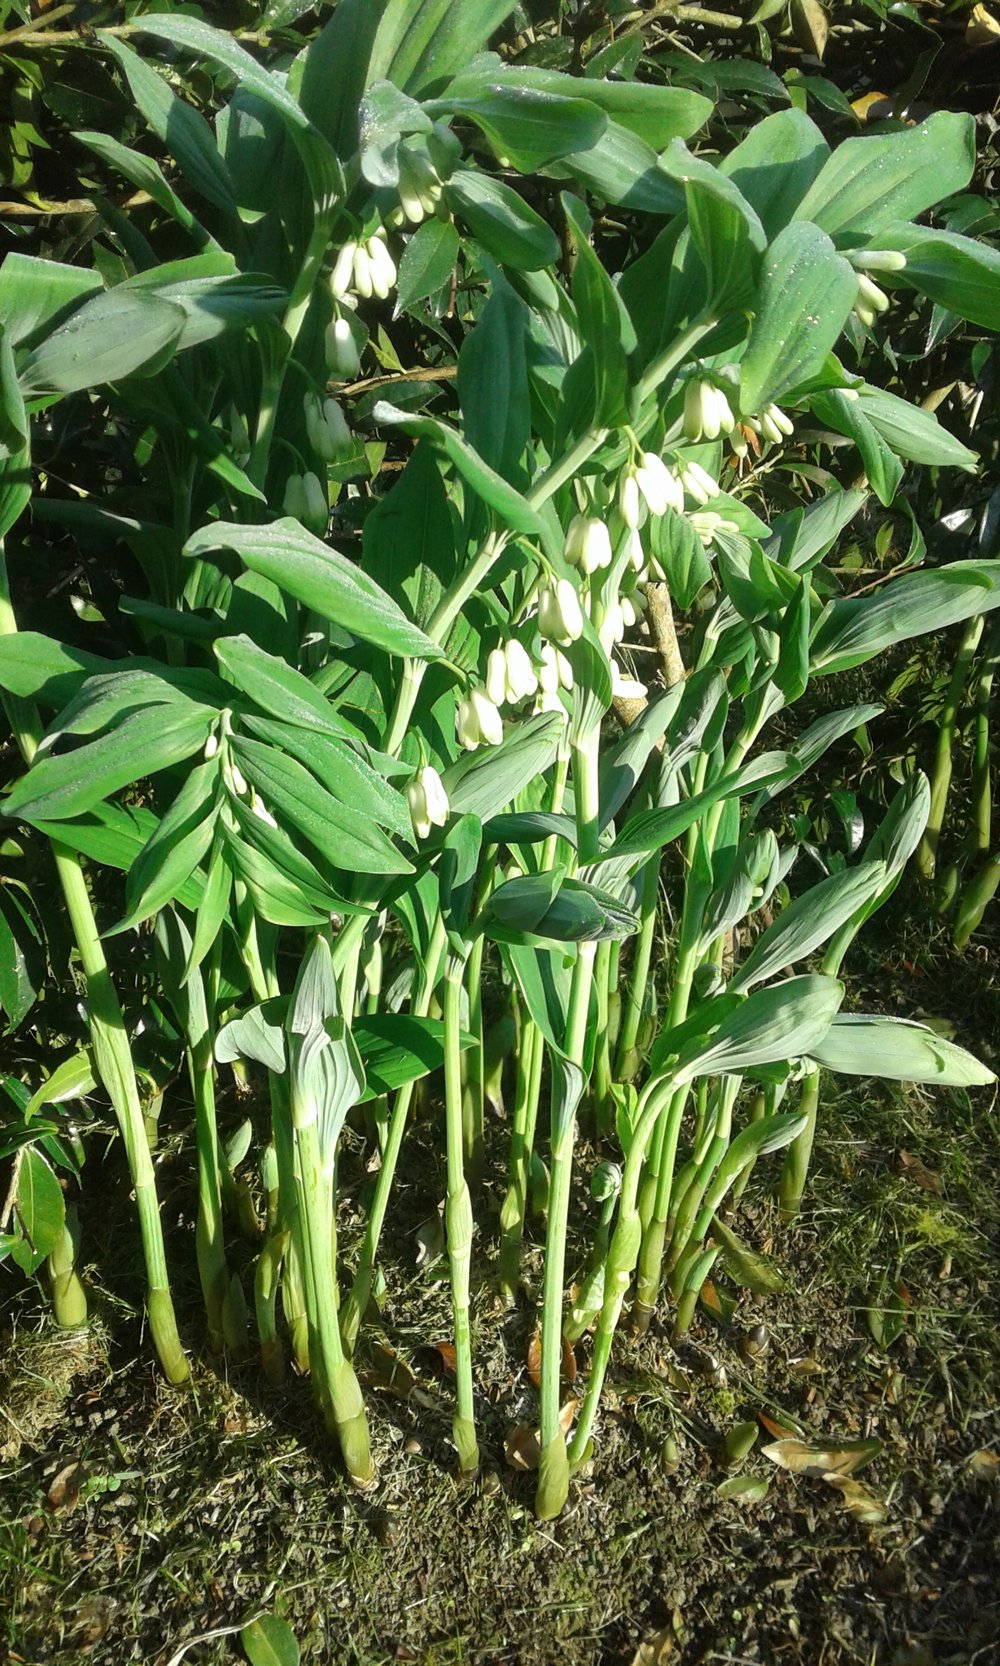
(447, 373)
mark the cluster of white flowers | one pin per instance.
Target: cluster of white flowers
(707, 411)
(560, 616)
(419, 185)
(772, 424)
(587, 544)
(305, 498)
(870, 299)
(478, 721)
(510, 675)
(365, 268)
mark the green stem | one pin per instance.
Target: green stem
(210, 1246)
(627, 1059)
(458, 1222)
(473, 1110)
(795, 1166)
(941, 775)
(530, 1058)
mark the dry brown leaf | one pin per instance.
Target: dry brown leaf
(65, 1489)
(984, 1464)
(386, 1371)
(823, 1458)
(810, 26)
(863, 1505)
(535, 1359)
(656, 1650)
(805, 1365)
(522, 1447)
(982, 28)
(773, 1427)
(872, 106)
(919, 1173)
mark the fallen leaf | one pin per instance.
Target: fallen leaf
(982, 28)
(873, 107)
(386, 1371)
(535, 1359)
(805, 1365)
(522, 1447)
(656, 1650)
(862, 1504)
(810, 26)
(569, 1366)
(984, 1464)
(920, 1174)
(750, 1489)
(807, 1457)
(748, 1267)
(774, 1427)
(65, 1489)
(445, 1352)
(270, 1641)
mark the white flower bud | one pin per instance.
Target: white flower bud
(635, 553)
(260, 809)
(477, 721)
(698, 483)
(294, 501)
(427, 801)
(381, 267)
(341, 350)
(628, 499)
(878, 260)
(707, 523)
(588, 544)
(343, 267)
(706, 411)
(496, 676)
(633, 607)
(326, 428)
(211, 746)
(317, 510)
(565, 671)
(560, 617)
(548, 671)
(239, 435)
(659, 485)
(870, 300)
(238, 781)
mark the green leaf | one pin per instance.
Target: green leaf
(41, 1211)
(348, 839)
(656, 114)
(147, 175)
(15, 445)
(854, 629)
(428, 262)
(276, 687)
(914, 433)
(18, 988)
(486, 781)
(501, 220)
(859, 1044)
(728, 236)
(270, 1641)
(806, 293)
(179, 126)
(34, 293)
(334, 72)
(837, 410)
(775, 165)
(527, 126)
(341, 771)
(257, 1035)
(493, 385)
(604, 324)
(652, 828)
(419, 43)
(70, 783)
(956, 272)
(396, 1048)
(771, 1026)
(74, 1078)
(495, 491)
(869, 183)
(623, 169)
(107, 339)
(808, 921)
(175, 849)
(319, 577)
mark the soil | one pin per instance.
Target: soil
(143, 1523)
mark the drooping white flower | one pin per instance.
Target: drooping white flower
(427, 801)
(343, 269)
(588, 544)
(612, 627)
(477, 721)
(878, 260)
(260, 809)
(341, 350)
(697, 482)
(628, 499)
(294, 501)
(560, 616)
(521, 678)
(772, 424)
(625, 688)
(707, 412)
(659, 485)
(707, 523)
(381, 271)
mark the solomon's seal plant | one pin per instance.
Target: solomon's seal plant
(432, 681)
